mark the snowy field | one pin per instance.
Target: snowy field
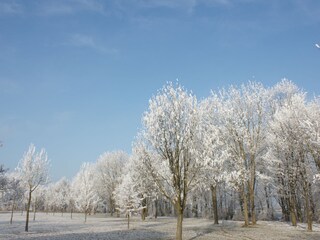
(101, 227)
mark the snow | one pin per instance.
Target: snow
(55, 227)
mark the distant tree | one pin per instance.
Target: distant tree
(14, 192)
(33, 172)
(109, 168)
(127, 197)
(143, 183)
(61, 191)
(3, 178)
(49, 198)
(38, 199)
(83, 188)
(71, 200)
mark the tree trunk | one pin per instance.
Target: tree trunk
(252, 205)
(309, 214)
(267, 197)
(293, 212)
(85, 216)
(194, 209)
(112, 207)
(28, 209)
(144, 210)
(34, 210)
(128, 215)
(12, 211)
(71, 211)
(245, 206)
(179, 224)
(215, 204)
(156, 209)
(308, 207)
(251, 187)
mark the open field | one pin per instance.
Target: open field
(101, 227)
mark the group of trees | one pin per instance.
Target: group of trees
(259, 144)
(247, 152)
(91, 190)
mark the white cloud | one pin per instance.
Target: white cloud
(63, 117)
(80, 40)
(87, 41)
(10, 8)
(9, 87)
(178, 3)
(66, 7)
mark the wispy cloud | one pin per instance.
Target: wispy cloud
(87, 41)
(9, 87)
(10, 8)
(65, 7)
(310, 10)
(187, 5)
(179, 3)
(80, 40)
(63, 117)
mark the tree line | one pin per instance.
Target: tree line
(246, 153)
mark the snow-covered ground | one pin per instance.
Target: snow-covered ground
(101, 227)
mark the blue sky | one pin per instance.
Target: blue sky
(76, 75)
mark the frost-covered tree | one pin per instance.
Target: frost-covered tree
(3, 178)
(311, 125)
(211, 150)
(14, 192)
(126, 195)
(62, 194)
(243, 117)
(109, 168)
(168, 138)
(38, 198)
(143, 182)
(83, 187)
(289, 141)
(49, 198)
(71, 201)
(33, 172)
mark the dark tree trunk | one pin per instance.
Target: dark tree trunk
(34, 210)
(251, 189)
(128, 215)
(12, 207)
(144, 211)
(293, 214)
(28, 209)
(245, 206)
(179, 223)
(156, 209)
(215, 204)
(308, 205)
